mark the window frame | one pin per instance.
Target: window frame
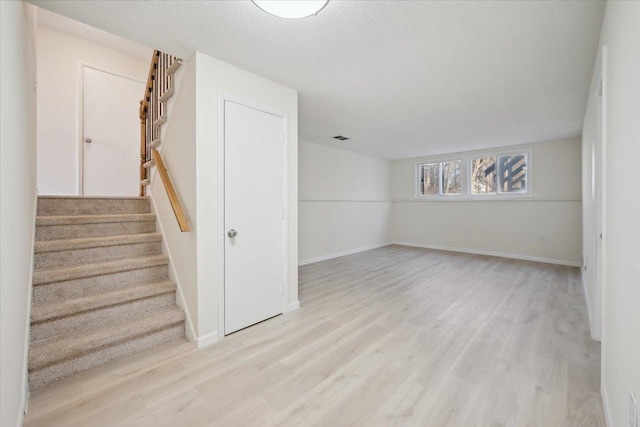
(463, 178)
(466, 184)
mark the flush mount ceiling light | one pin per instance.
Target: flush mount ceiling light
(291, 9)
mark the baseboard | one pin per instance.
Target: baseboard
(207, 340)
(339, 254)
(24, 404)
(293, 306)
(189, 331)
(605, 405)
(592, 329)
(490, 253)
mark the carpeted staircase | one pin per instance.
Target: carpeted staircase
(101, 289)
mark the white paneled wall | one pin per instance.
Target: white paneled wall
(344, 202)
(350, 202)
(543, 227)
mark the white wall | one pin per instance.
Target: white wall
(17, 201)
(344, 202)
(621, 302)
(178, 151)
(190, 151)
(59, 55)
(544, 227)
(215, 77)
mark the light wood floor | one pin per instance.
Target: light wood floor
(391, 337)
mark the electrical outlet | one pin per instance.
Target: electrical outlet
(633, 410)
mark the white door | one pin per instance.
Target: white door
(254, 209)
(110, 134)
(599, 175)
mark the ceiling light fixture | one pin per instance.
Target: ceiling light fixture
(291, 9)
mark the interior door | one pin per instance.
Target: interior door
(253, 216)
(111, 134)
(599, 181)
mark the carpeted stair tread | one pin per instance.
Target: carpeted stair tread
(49, 352)
(53, 310)
(82, 205)
(43, 377)
(92, 219)
(94, 242)
(50, 275)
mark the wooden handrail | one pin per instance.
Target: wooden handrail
(152, 109)
(153, 69)
(171, 192)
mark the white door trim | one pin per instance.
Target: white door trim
(602, 212)
(600, 202)
(222, 98)
(80, 123)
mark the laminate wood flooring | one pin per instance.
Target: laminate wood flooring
(394, 336)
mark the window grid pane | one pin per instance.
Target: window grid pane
(483, 175)
(452, 177)
(430, 174)
(512, 174)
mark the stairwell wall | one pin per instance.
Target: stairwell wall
(178, 150)
(190, 151)
(17, 201)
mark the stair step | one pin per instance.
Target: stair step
(85, 226)
(48, 352)
(69, 252)
(54, 310)
(66, 355)
(50, 320)
(80, 205)
(160, 121)
(94, 242)
(86, 286)
(92, 219)
(167, 95)
(50, 275)
(175, 66)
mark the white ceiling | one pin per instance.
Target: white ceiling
(86, 32)
(400, 78)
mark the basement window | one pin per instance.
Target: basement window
(441, 178)
(483, 175)
(430, 179)
(475, 177)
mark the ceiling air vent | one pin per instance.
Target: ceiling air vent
(340, 138)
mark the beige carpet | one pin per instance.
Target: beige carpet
(101, 289)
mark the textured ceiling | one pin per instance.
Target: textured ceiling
(83, 31)
(400, 78)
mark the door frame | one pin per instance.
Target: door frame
(80, 123)
(222, 98)
(601, 206)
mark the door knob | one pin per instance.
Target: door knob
(232, 233)
(87, 140)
